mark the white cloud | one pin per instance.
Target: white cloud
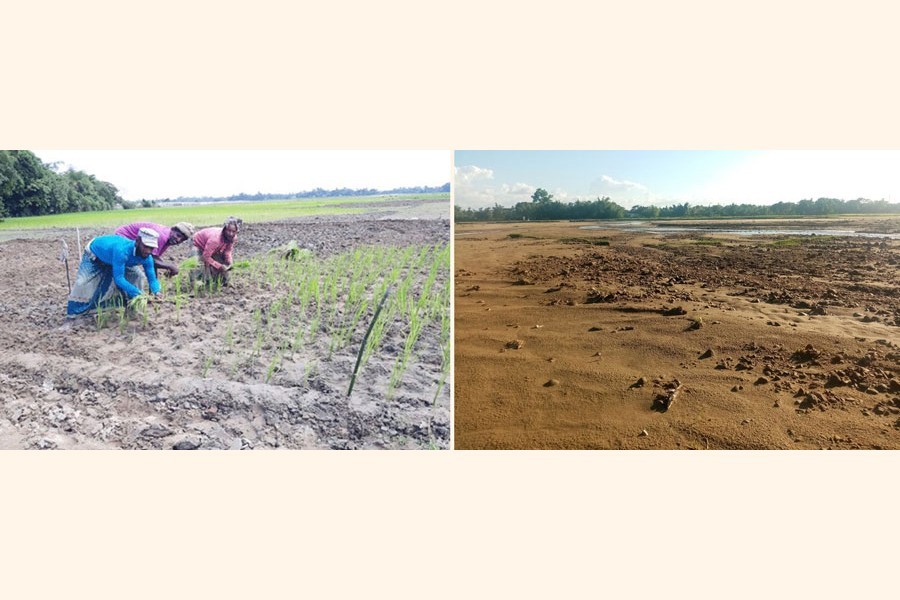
(622, 191)
(471, 173)
(607, 183)
(474, 188)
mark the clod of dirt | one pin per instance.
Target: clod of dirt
(156, 430)
(808, 354)
(643, 433)
(674, 312)
(595, 329)
(812, 399)
(186, 445)
(514, 344)
(708, 354)
(662, 402)
(641, 382)
(695, 324)
(761, 381)
(836, 381)
(552, 383)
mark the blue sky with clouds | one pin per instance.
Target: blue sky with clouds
(629, 178)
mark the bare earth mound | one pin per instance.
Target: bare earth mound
(177, 383)
(568, 339)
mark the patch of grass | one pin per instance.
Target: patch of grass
(521, 236)
(787, 243)
(793, 242)
(588, 241)
(707, 242)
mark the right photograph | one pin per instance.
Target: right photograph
(677, 300)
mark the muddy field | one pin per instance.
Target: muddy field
(568, 338)
(175, 383)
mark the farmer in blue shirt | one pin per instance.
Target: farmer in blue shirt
(109, 266)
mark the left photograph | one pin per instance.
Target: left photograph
(225, 300)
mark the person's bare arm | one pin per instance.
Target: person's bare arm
(170, 267)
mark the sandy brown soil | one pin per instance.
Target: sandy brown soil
(675, 341)
(67, 384)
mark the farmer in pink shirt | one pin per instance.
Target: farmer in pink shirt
(214, 246)
(168, 237)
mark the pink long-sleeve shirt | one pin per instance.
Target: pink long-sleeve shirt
(132, 232)
(209, 242)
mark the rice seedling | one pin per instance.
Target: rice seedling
(207, 364)
(100, 317)
(122, 313)
(274, 365)
(229, 336)
(445, 353)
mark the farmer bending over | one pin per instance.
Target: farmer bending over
(168, 237)
(109, 266)
(214, 245)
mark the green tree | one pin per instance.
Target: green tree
(541, 196)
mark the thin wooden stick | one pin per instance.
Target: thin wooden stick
(362, 347)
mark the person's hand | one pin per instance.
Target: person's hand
(227, 267)
(172, 272)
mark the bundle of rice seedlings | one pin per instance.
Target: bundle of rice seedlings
(138, 304)
(290, 251)
(189, 263)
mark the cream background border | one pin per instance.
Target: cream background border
(451, 75)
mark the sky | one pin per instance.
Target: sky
(157, 174)
(662, 178)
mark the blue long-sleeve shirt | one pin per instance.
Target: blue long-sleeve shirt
(119, 253)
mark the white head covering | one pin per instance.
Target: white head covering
(149, 237)
(186, 229)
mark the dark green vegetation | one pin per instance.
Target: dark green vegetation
(28, 187)
(792, 242)
(589, 241)
(317, 193)
(543, 208)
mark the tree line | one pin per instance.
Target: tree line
(315, 193)
(544, 208)
(28, 187)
